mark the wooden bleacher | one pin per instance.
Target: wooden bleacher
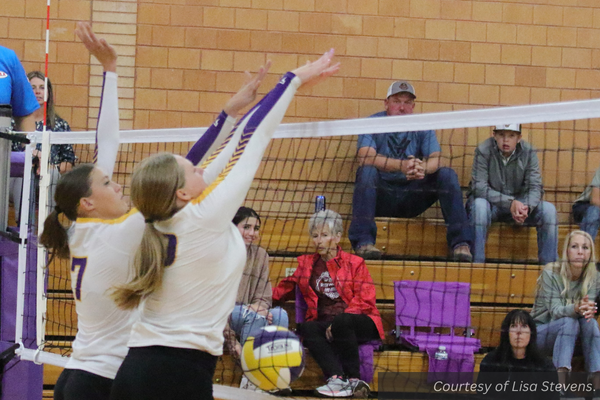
(502, 284)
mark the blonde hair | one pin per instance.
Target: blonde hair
(563, 268)
(153, 192)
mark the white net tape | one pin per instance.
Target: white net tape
(549, 112)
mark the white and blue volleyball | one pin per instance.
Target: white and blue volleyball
(273, 359)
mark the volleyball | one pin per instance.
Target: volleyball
(273, 359)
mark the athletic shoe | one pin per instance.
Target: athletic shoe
(335, 387)
(247, 385)
(360, 389)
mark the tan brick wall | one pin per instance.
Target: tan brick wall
(181, 59)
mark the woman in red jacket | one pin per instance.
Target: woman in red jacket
(341, 313)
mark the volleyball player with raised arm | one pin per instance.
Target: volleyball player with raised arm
(104, 237)
(96, 356)
(189, 265)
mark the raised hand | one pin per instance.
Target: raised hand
(104, 52)
(247, 93)
(317, 71)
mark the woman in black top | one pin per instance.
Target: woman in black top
(518, 361)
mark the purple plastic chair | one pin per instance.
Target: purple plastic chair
(365, 350)
(421, 304)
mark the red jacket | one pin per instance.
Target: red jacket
(352, 281)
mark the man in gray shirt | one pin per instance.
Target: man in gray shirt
(586, 210)
(506, 185)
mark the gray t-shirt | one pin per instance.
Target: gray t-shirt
(587, 193)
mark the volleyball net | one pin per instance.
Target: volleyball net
(306, 160)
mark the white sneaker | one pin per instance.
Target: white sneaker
(335, 387)
(360, 389)
(247, 385)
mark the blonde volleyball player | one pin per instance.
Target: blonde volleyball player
(103, 238)
(189, 265)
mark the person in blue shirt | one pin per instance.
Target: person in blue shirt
(400, 176)
(16, 90)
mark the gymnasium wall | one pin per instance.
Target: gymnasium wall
(180, 59)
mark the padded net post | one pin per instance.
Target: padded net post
(5, 117)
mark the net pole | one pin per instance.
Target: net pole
(5, 117)
(44, 185)
(23, 243)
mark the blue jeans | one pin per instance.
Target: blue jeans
(543, 217)
(247, 323)
(375, 197)
(588, 217)
(558, 338)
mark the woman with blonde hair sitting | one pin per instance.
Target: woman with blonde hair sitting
(565, 307)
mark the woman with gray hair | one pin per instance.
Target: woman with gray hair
(341, 311)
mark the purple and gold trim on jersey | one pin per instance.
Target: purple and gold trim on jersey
(237, 154)
(107, 221)
(250, 122)
(214, 155)
(203, 144)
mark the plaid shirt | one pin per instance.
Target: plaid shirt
(58, 152)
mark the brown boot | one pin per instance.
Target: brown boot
(368, 252)
(462, 253)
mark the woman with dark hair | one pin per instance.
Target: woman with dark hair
(252, 309)
(103, 237)
(88, 191)
(517, 360)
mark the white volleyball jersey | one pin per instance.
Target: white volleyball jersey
(101, 251)
(100, 256)
(206, 251)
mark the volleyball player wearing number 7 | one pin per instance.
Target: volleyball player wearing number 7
(190, 263)
(103, 239)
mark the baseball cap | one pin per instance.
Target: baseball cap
(399, 87)
(508, 127)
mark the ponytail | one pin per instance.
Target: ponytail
(55, 237)
(71, 187)
(153, 192)
(149, 264)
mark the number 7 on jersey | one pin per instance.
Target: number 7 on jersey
(78, 267)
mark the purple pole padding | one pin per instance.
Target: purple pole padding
(17, 164)
(21, 379)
